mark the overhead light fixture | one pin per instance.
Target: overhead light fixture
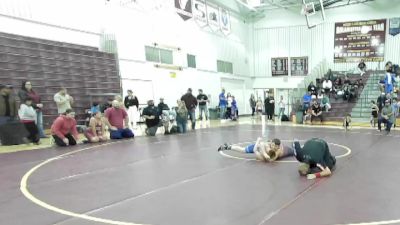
(169, 67)
(166, 46)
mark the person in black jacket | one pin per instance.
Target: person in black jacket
(191, 104)
(269, 106)
(131, 103)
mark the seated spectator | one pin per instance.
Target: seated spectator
(339, 82)
(362, 67)
(27, 115)
(150, 113)
(97, 129)
(387, 117)
(117, 121)
(181, 116)
(307, 115)
(64, 129)
(106, 105)
(316, 112)
(306, 101)
(325, 103)
(346, 80)
(348, 93)
(166, 114)
(95, 108)
(312, 89)
(327, 86)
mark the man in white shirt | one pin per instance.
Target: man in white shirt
(327, 86)
(63, 100)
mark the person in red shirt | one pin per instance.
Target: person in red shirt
(64, 129)
(117, 121)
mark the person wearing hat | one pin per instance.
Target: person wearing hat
(387, 116)
(191, 104)
(8, 104)
(64, 129)
(316, 159)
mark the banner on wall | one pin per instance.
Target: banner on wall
(213, 17)
(279, 66)
(299, 66)
(184, 9)
(360, 40)
(225, 21)
(394, 26)
(200, 12)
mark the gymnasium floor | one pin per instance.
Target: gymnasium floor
(183, 180)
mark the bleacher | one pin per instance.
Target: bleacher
(83, 70)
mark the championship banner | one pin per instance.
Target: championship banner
(360, 40)
(279, 66)
(200, 12)
(299, 66)
(184, 9)
(225, 23)
(394, 26)
(213, 17)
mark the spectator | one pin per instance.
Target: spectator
(325, 103)
(346, 80)
(312, 88)
(117, 121)
(306, 101)
(222, 104)
(106, 105)
(362, 67)
(395, 109)
(234, 109)
(8, 104)
(166, 114)
(374, 113)
(387, 117)
(151, 114)
(269, 106)
(27, 91)
(64, 129)
(253, 104)
(228, 106)
(327, 86)
(202, 99)
(97, 128)
(381, 101)
(27, 115)
(63, 100)
(181, 116)
(316, 112)
(191, 103)
(131, 104)
(259, 107)
(281, 105)
(389, 80)
(95, 108)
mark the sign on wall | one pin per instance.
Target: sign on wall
(213, 17)
(225, 21)
(200, 12)
(184, 8)
(299, 66)
(279, 66)
(360, 40)
(394, 26)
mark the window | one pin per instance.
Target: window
(191, 61)
(158, 55)
(224, 67)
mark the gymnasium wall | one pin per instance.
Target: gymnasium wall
(276, 36)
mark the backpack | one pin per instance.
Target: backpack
(284, 118)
